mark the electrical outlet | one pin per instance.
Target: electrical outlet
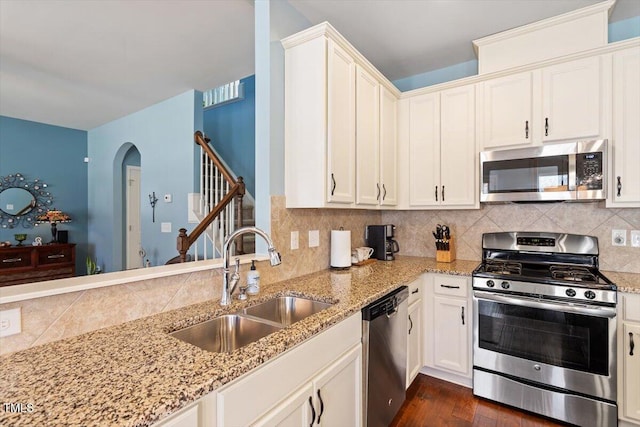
(10, 322)
(635, 238)
(294, 240)
(619, 237)
(314, 238)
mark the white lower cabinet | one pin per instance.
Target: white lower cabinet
(448, 329)
(414, 339)
(326, 368)
(629, 359)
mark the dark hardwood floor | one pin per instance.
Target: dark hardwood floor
(433, 402)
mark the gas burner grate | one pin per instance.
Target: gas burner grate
(503, 267)
(575, 274)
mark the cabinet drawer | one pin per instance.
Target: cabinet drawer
(631, 307)
(14, 258)
(415, 290)
(450, 285)
(55, 255)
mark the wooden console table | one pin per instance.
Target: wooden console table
(26, 264)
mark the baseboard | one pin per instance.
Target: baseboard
(447, 376)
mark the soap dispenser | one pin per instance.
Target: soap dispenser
(253, 279)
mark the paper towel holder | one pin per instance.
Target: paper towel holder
(340, 251)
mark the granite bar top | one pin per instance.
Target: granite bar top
(135, 374)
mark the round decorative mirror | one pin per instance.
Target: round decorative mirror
(21, 201)
(16, 201)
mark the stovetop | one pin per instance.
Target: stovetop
(554, 265)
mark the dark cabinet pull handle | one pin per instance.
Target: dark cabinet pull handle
(450, 287)
(384, 192)
(410, 324)
(313, 412)
(333, 184)
(436, 193)
(7, 260)
(619, 186)
(443, 193)
(462, 315)
(55, 256)
(415, 291)
(631, 344)
(546, 126)
(526, 129)
(321, 407)
(378, 196)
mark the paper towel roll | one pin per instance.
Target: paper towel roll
(340, 248)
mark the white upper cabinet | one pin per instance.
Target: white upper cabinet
(319, 125)
(424, 149)
(388, 147)
(376, 136)
(458, 152)
(506, 111)
(572, 100)
(442, 149)
(624, 182)
(560, 102)
(368, 189)
(340, 125)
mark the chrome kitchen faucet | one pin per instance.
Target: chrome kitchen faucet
(229, 282)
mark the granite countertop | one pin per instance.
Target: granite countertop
(135, 374)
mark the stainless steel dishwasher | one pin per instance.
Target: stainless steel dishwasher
(384, 335)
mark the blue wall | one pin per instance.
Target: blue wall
(54, 155)
(232, 130)
(163, 134)
(618, 31)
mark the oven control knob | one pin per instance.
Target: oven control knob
(590, 294)
(505, 285)
(570, 293)
(490, 283)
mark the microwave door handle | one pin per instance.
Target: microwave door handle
(606, 312)
(572, 173)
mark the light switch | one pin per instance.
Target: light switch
(635, 238)
(165, 227)
(314, 238)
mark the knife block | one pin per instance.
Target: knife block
(447, 256)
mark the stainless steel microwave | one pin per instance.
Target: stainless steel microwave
(555, 172)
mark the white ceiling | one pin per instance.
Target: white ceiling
(80, 64)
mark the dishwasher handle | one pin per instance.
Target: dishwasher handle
(387, 305)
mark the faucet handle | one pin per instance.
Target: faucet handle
(243, 293)
(237, 266)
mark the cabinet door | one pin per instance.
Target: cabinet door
(631, 370)
(338, 391)
(451, 334)
(297, 410)
(458, 153)
(625, 147)
(424, 150)
(506, 111)
(388, 147)
(367, 139)
(571, 100)
(340, 125)
(414, 341)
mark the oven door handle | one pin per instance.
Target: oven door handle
(608, 312)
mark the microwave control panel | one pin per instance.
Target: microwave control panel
(589, 170)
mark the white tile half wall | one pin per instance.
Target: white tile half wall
(413, 228)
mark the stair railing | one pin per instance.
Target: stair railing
(220, 201)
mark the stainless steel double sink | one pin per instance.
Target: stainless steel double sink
(226, 333)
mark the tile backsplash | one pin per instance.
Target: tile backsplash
(61, 316)
(414, 228)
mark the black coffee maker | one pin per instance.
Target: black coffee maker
(380, 238)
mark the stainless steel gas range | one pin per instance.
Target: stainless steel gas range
(544, 336)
